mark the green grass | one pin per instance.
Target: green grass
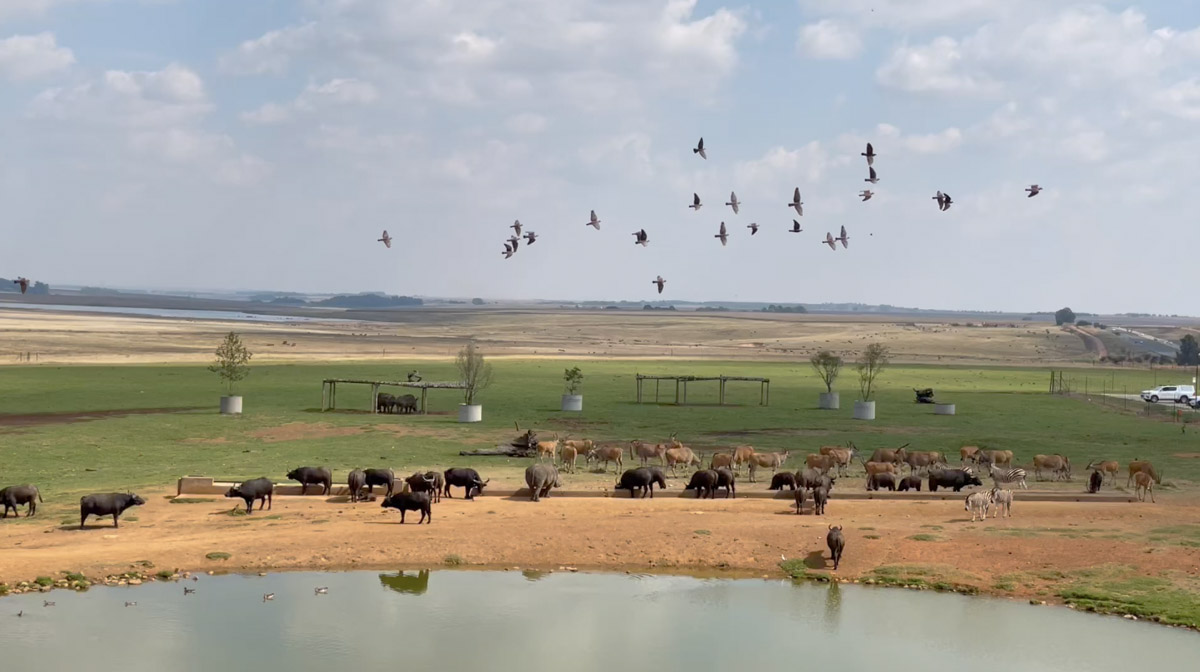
(217, 555)
(1171, 599)
(999, 408)
(925, 537)
(44, 581)
(920, 576)
(452, 560)
(190, 500)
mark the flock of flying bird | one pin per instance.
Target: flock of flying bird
(641, 238)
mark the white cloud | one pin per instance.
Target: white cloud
(829, 39)
(937, 67)
(468, 47)
(30, 56)
(269, 113)
(272, 52)
(1181, 99)
(315, 97)
(526, 122)
(709, 40)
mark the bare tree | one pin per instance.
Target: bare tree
(232, 359)
(828, 366)
(473, 371)
(872, 362)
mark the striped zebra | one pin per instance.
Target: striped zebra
(1015, 475)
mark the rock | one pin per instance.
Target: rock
(135, 582)
(1130, 617)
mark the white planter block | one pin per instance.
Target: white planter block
(864, 410)
(829, 401)
(231, 405)
(572, 402)
(943, 409)
(472, 413)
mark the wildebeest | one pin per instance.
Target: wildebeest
(16, 495)
(977, 503)
(424, 482)
(254, 489)
(1143, 483)
(1094, 482)
(312, 476)
(641, 479)
(909, 483)
(385, 477)
(881, 481)
(1138, 466)
(606, 454)
(681, 455)
(541, 478)
(464, 477)
(704, 482)
(951, 478)
(111, 504)
(1003, 500)
(410, 501)
(836, 543)
(820, 496)
(842, 456)
(727, 480)
(567, 457)
(799, 498)
(355, 482)
(783, 480)
(1107, 468)
(1057, 465)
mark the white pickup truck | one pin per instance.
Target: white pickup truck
(1179, 394)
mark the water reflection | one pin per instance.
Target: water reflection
(409, 583)
(534, 575)
(833, 606)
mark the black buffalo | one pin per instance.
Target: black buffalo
(799, 500)
(820, 496)
(951, 478)
(411, 501)
(16, 495)
(255, 488)
(1094, 482)
(836, 543)
(406, 403)
(385, 477)
(111, 504)
(356, 481)
(811, 479)
(464, 478)
(312, 476)
(425, 482)
(909, 483)
(704, 482)
(384, 402)
(641, 479)
(881, 481)
(784, 479)
(726, 479)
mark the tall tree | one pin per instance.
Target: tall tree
(827, 365)
(1189, 351)
(232, 360)
(1064, 316)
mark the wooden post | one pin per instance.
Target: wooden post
(685, 392)
(324, 385)
(374, 397)
(676, 391)
(423, 391)
(768, 393)
(639, 388)
(656, 382)
(722, 400)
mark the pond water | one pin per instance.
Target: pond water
(468, 620)
(226, 315)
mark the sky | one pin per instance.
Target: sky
(223, 144)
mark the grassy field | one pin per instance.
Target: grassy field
(283, 427)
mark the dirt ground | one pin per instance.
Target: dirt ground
(665, 534)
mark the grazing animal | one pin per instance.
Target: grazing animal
(16, 495)
(968, 453)
(1057, 465)
(642, 480)
(1143, 483)
(769, 460)
(312, 476)
(644, 452)
(820, 496)
(742, 455)
(385, 477)
(254, 489)
(881, 481)
(384, 402)
(581, 446)
(406, 403)
(957, 479)
(894, 455)
(922, 459)
(1109, 468)
(843, 456)
(996, 457)
(909, 483)
(1094, 482)
(547, 449)
(681, 455)
(465, 478)
(1003, 500)
(822, 463)
(411, 501)
(836, 543)
(799, 498)
(880, 468)
(704, 482)
(1140, 466)
(811, 479)
(438, 483)
(355, 482)
(727, 480)
(541, 478)
(606, 454)
(720, 460)
(567, 457)
(1009, 476)
(784, 480)
(977, 503)
(112, 504)
(425, 482)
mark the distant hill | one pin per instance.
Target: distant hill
(368, 301)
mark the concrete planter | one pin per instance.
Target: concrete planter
(572, 402)
(864, 410)
(471, 413)
(829, 401)
(943, 409)
(231, 405)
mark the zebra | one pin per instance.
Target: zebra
(1015, 475)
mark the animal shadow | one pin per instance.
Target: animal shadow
(815, 560)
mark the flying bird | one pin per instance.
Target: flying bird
(642, 239)
(695, 202)
(830, 241)
(594, 221)
(699, 149)
(870, 154)
(874, 178)
(795, 226)
(844, 238)
(320, 591)
(753, 228)
(866, 195)
(722, 235)
(943, 201)
(660, 282)
(23, 283)
(516, 226)
(1033, 190)
(386, 240)
(530, 238)
(797, 203)
(516, 242)
(508, 251)
(733, 202)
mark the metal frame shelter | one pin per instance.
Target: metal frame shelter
(329, 390)
(764, 386)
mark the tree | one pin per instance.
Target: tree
(872, 362)
(573, 377)
(476, 302)
(1189, 351)
(232, 359)
(473, 371)
(1064, 316)
(828, 366)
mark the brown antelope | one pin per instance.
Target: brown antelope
(644, 452)
(922, 459)
(874, 468)
(843, 456)
(547, 448)
(895, 456)
(1057, 465)
(607, 454)
(822, 463)
(567, 455)
(996, 457)
(1108, 468)
(742, 455)
(681, 455)
(968, 453)
(1139, 466)
(1144, 483)
(581, 446)
(721, 460)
